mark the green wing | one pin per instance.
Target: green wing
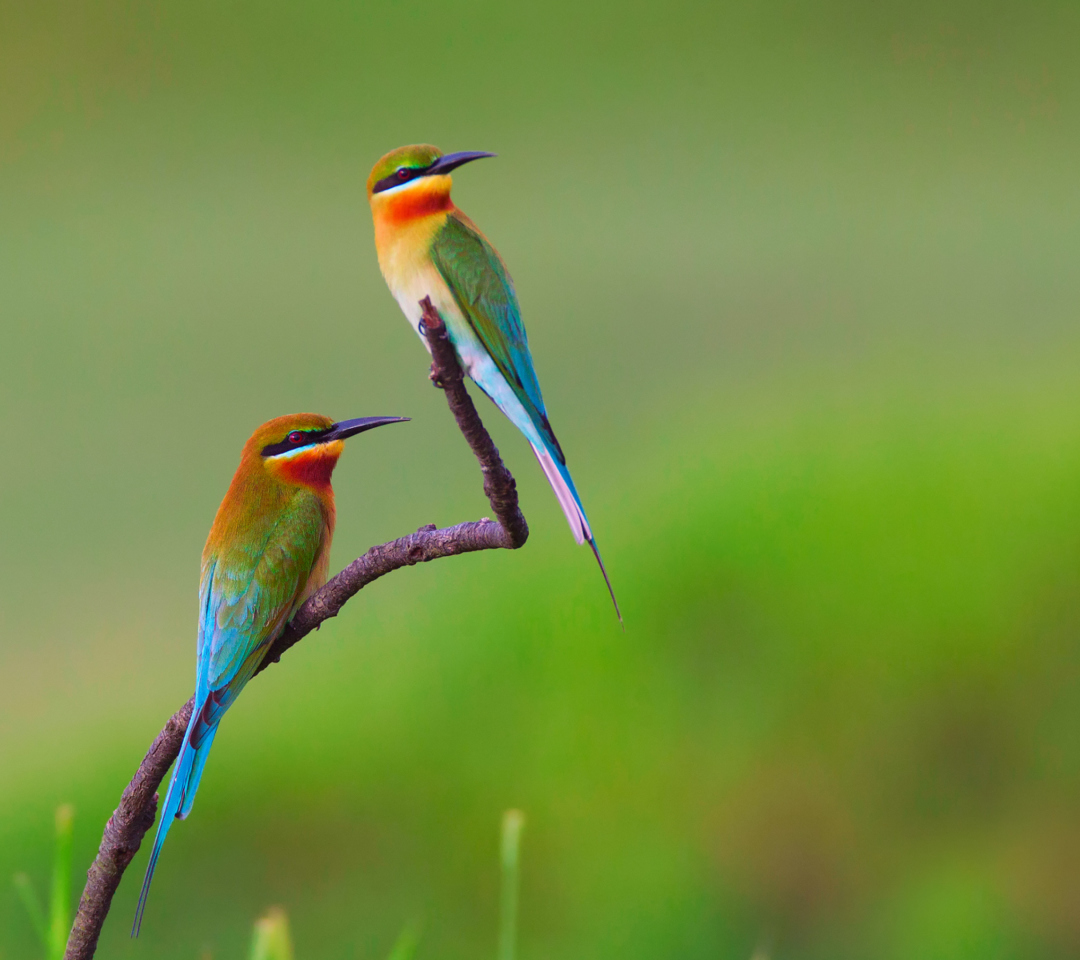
(481, 285)
(248, 593)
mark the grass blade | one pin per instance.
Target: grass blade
(25, 889)
(60, 898)
(271, 940)
(512, 823)
(406, 943)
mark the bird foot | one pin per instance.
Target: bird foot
(435, 377)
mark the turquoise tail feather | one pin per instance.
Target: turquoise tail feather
(195, 776)
(543, 441)
(169, 809)
(178, 800)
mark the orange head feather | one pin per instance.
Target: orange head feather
(414, 198)
(284, 456)
(413, 183)
(297, 463)
(264, 485)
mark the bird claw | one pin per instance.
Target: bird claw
(435, 377)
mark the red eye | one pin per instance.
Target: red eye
(403, 173)
(295, 437)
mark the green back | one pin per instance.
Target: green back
(481, 285)
(250, 588)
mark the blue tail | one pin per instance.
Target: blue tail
(178, 801)
(538, 432)
(195, 776)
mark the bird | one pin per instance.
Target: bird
(267, 552)
(427, 247)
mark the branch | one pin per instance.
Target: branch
(446, 372)
(129, 823)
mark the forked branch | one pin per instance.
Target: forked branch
(138, 803)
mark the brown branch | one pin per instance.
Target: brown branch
(134, 816)
(428, 543)
(499, 484)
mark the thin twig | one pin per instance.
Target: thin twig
(134, 816)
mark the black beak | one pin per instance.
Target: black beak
(454, 160)
(349, 428)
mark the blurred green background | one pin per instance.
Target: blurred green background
(801, 283)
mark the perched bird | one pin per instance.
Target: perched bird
(267, 552)
(428, 248)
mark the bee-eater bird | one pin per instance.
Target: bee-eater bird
(267, 552)
(428, 248)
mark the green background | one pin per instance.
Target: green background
(801, 282)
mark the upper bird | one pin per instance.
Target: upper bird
(428, 248)
(267, 552)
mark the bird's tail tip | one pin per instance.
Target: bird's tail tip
(559, 478)
(611, 590)
(136, 925)
(168, 811)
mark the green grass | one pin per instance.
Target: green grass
(272, 941)
(271, 938)
(512, 824)
(52, 925)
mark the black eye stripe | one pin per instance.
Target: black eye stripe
(307, 437)
(395, 180)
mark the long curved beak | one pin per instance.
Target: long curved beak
(454, 160)
(349, 428)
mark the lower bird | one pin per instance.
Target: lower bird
(267, 552)
(428, 248)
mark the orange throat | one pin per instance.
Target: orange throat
(402, 208)
(311, 467)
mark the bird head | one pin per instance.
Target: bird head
(417, 173)
(302, 449)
